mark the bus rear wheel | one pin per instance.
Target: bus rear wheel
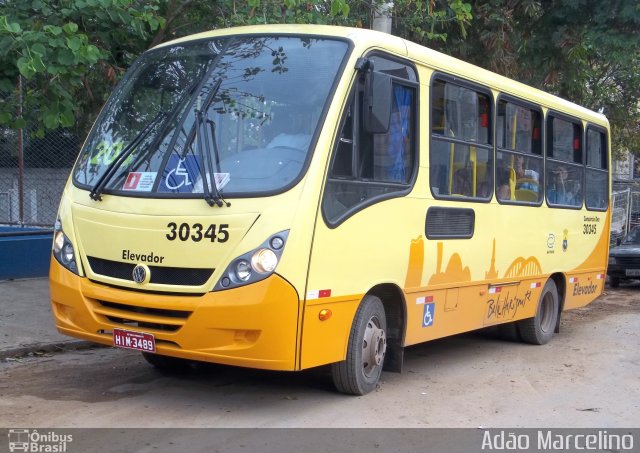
(167, 364)
(540, 328)
(360, 372)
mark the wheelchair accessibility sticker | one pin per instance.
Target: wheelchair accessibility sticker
(427, 317)
(180, 174)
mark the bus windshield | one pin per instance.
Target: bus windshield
(238, 113)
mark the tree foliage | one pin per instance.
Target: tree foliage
(71, 52)
(184, 17)
(591, 55)
(430, 22)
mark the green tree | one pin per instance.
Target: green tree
(184, 17)
(431, 22)
(589, 52)
(69, 53)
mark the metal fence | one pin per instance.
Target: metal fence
(33, 171)
(625, 213)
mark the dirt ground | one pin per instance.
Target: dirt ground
(587, 376)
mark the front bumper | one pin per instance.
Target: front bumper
(252, 326)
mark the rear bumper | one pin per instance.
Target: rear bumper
(252, 326)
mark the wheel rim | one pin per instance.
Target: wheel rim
(374, 346)
(547, 307)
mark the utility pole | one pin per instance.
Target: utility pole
(382, 17)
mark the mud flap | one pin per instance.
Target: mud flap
(394, 358)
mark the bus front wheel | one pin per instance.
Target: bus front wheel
(540, 328)
(360, 372)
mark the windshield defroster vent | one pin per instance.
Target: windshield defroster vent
(182, 276)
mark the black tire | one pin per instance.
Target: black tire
(167, 364)
(614, 282)
(360, 372)
(540, 328)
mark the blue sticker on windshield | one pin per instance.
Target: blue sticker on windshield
(180, 174)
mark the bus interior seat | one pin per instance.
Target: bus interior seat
(526, 195)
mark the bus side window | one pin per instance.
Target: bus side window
(597, 175)
(519, 162)
(461, 157)
(565, 172)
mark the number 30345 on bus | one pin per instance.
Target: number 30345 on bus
(197, 232)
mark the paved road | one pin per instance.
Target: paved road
(586, 377)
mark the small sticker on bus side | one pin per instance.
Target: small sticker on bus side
(424, 300)
(318, 293)
(427, 318)
(140, 181)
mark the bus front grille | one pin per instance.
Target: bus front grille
(183, 276)
(158, 319)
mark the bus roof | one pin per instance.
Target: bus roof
(368, 39)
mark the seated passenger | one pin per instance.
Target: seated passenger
(503, 189)
(462, 183)
(557, 192)
(526, 179)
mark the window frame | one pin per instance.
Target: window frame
(542, 156)
(478, 88)
(607, 170)
(403, 188)
(548, 137)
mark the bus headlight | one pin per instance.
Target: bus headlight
(255, 265)
(63, 249)
(243, 270)
(264, 261)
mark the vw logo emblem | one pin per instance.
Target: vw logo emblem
(140, 274)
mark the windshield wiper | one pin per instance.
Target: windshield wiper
(171, 116)
(96, 190)
(212, 194)
(218, 199)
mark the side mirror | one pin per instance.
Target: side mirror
(377, 102)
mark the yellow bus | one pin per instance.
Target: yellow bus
(286, 197)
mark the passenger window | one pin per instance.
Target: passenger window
(564, 140)
(564, 164)
(597, 175)
(461, 153)
(368, 167)
(519, 162)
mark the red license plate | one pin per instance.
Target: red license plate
(129, 339)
